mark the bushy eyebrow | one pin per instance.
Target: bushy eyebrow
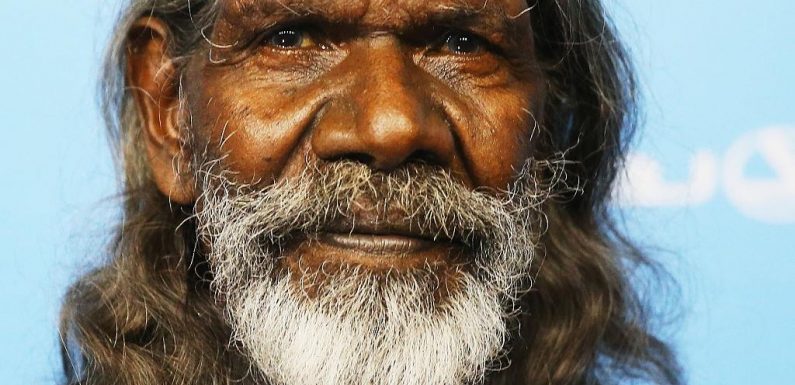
(253, 14)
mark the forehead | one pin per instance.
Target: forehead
(376, 14)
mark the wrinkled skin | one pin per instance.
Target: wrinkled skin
(452, 83)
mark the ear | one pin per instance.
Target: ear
(151, 78)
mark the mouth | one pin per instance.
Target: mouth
(379, 243)
(383, 245)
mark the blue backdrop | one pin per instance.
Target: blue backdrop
(710, 189)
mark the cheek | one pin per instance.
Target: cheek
(497, 139)
(493, 109)
(254, 129)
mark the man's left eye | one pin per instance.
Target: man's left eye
(290, 38)
(463, 43)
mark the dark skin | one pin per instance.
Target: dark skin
(454, 83)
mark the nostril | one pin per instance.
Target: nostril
(358, 157)
(427, 157)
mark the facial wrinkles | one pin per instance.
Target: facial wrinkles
(267, 110)
(498, 21)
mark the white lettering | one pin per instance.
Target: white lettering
(645, 185)
(767, 199)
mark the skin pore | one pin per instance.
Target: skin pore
(284, 84)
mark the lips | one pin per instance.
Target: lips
(381, 235)
(382, 244)
(378, 241)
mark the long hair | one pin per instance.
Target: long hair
(147, 315)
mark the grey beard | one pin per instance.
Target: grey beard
(368, 327)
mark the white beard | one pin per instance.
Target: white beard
(392, 339)
(368, 328)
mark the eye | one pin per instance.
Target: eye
(463, 43)
(290, 38)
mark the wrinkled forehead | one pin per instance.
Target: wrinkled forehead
(382, 15)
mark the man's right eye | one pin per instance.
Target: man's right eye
(290, 38)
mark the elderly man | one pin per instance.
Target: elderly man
(376, 192)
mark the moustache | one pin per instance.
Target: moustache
(247, 226)
(418, 200)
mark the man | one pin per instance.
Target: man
(366, 192)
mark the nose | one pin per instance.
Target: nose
(388, 117)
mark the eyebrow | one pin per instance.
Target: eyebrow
(258, 14)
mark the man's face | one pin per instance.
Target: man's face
(287, 84)
(365, 192)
